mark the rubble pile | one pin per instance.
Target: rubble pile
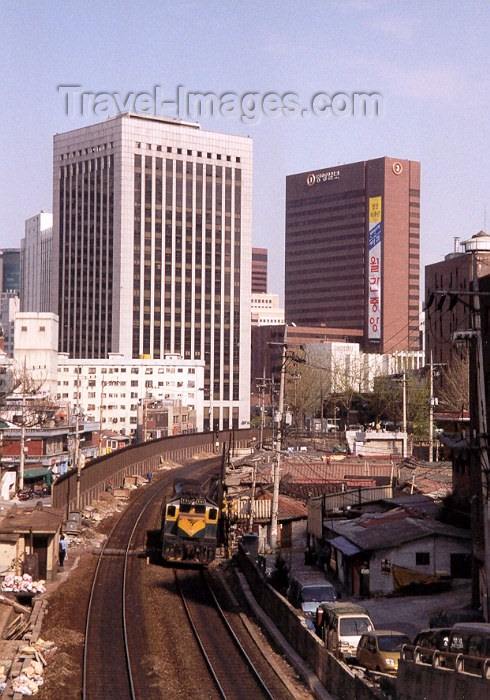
(30, 680)
(106, 505)
(3, 678)
(22, 584)
(31, 677)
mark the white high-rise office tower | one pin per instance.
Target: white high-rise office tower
(35, 263)
(152, 249)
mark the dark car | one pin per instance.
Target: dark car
(433, 639)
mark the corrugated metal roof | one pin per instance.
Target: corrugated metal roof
(383, 532)
(345, 546)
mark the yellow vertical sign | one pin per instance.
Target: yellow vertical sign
(374, 267)
(374, 210)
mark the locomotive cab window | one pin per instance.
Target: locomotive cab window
(171, 510)
(185, 508)
(199, 509)
(213, 513)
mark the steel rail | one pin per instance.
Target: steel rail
(89, 611)
(107, 550)
(124, 623)
(231, 632)
(198, 639)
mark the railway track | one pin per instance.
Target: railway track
(112, 665)
(232, 669)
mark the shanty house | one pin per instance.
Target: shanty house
(30, 531)
(379, 553)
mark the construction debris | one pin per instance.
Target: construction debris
(16, 606)
(23, 584)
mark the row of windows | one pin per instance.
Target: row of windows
(188, 152)
(86, 151)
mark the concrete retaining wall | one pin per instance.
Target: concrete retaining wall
(336, 676)
(420, 682)
(139, 459)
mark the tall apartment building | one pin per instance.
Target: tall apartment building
(9, 270)
(152, 249)
(352, 251)
(35, 263)
(259, 270)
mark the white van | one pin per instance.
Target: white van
(341, 625)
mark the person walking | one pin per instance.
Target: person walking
(62, 550)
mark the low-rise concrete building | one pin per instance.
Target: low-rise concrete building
(379, 553)
(106, 390)
(30, 531)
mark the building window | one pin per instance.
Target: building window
(422, 558)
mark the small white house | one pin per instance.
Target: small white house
(379, 553)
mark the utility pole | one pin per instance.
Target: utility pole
(78, 462)
(278, 446)
(277, 453)
(22, 455)
(482, 437)
(431, 409)
(432, 402)
(101, 414)
(77, 454)
(252, 498)
(404, 393)
(145, 416)
(262, 383)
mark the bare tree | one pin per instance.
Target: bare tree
(349, 379)
(452, 386)
(308, 387)
(19, 399)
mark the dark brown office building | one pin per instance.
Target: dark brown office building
(353, 249)
(453, 274)
(259, 270)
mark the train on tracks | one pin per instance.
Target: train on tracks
(189, 524)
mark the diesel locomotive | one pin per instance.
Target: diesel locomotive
(189, 525)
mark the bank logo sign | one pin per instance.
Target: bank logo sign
(326, 176)
(374, 268)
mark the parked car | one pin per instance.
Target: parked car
(432, 639)
(341, 625)
(379, 650)
(309, 591)
(472, 639)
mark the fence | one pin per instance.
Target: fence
(139, 459)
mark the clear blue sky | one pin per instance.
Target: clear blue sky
(429, 60)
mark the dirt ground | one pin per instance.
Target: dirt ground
(172, 671)
(64, 622)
